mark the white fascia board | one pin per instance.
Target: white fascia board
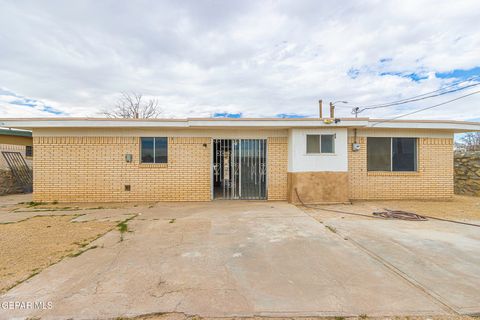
(245, 123)
(91, 124)
(275, 123)
(457, 127)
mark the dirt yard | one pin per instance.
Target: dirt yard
(31, 245)
(461, 208)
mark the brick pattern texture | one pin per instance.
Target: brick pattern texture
(277, 166)
(93, 169)
(434, 179)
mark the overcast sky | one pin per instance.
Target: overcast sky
(240, 58)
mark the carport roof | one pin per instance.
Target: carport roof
(32, 123)
(17, 133)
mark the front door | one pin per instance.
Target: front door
(239, 169)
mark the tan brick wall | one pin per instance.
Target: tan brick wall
(434, 179)
(277, 164)
(86, 169)
(93, 169)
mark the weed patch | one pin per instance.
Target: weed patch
(332, 229)
(34, 203)
(122, 227)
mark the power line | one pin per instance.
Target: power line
(422, 98)
(425, 94)
(427, 108)
(357, 110)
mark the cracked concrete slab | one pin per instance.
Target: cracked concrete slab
(442, 257)
(222, 258)
(15, 208)
(114, 215)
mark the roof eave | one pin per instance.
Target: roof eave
(455, 126)
(183, 123)
(31, 124)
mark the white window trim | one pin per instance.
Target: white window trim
(320, 145)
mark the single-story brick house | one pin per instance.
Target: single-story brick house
(323, 160)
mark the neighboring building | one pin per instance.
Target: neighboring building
(323, 160)
(18, 141)
(13, 141)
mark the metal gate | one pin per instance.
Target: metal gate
(20, 170)
(239, 168)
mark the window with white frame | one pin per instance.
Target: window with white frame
(154, 150)
(391, 154)
(320, 143)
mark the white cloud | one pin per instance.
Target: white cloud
(258, 58)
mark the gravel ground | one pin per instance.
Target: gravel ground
(31, 245)
(462, 208)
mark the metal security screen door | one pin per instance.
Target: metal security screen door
(239, 168)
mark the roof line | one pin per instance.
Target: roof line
(233, 119)
(173, 119)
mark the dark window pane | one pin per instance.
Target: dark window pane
(327, 143)
(404, 154)
(313, 143)
(147, 150)
(29, 151)
(161, 150)
(378, 154)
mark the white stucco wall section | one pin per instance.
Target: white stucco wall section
(300, 161)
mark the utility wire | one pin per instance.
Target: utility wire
(427, 108)
(421, 98)
(425, 94)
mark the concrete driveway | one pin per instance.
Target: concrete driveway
(235, 258)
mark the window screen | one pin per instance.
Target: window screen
(154, 150)
(404, 154)
(161, 150)
(391, 154)
(313, 143)
(379, 154)
(327, 143)
(147, 150)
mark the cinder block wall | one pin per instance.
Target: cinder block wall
(93, 169)
(434, 179)
(277, 166)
